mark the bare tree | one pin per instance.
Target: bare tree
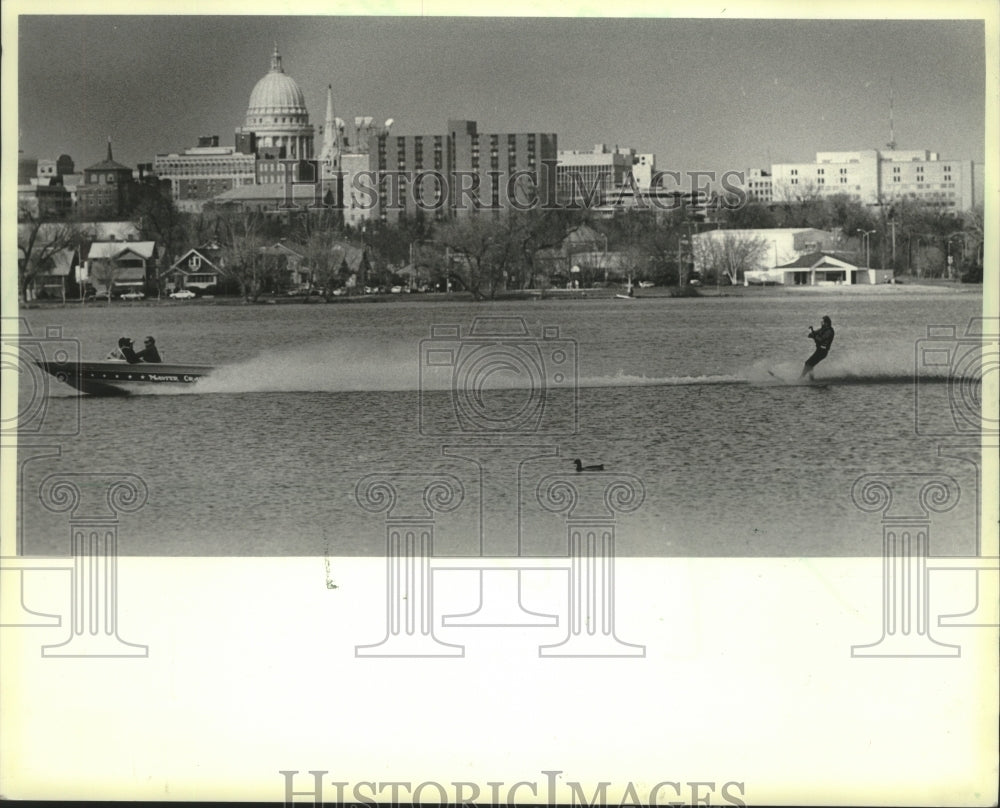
(240, 240)
(325, 251)
(106, 272)
(972, 227)
(158, 219)
(532, 232)
(730, 254)
(482, 252)
(37, 244)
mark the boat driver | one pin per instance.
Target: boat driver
(148, 352)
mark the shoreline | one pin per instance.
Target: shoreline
(606, 293)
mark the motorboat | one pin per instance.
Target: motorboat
(116, 377)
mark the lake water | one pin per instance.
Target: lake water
(264, 457)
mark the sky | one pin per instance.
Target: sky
(700, 94)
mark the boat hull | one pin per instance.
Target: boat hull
(116, 378)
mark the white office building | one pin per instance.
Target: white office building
(872, 176)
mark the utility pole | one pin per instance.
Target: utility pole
(680, 270)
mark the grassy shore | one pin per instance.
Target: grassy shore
(907, 287)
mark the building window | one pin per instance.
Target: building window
(794, 172)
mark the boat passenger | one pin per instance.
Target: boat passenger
(124, 351)
(148, 352)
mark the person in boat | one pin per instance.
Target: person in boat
(823, 339)
(148, 352)
(124, 351)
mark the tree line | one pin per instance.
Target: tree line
(487, 255)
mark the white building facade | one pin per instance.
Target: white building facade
(781, 245)
(872, 177)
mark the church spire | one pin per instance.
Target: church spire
(331, 134)
(110, 158)
(276, 60)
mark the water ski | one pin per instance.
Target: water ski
(799, 380)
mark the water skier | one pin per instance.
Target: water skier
(823, 339)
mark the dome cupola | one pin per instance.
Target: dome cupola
(276, 93)
(277, 117)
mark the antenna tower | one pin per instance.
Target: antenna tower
(892, 131)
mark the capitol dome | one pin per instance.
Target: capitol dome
(277, 92)
(277, 116)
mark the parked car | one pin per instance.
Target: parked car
(133, 296)
(183, 294)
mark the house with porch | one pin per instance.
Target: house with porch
(198, 270)
(767, 247)
(121, 266)
(289, 258)
(820, 268)
(58, 278)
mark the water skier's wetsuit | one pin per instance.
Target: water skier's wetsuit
(823, 339)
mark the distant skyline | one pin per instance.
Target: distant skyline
(705, 94)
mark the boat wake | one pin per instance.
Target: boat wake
(371, 370)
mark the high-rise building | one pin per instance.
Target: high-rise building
(758, 185)
(592, 177)
(872, 176)
(463, 171)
